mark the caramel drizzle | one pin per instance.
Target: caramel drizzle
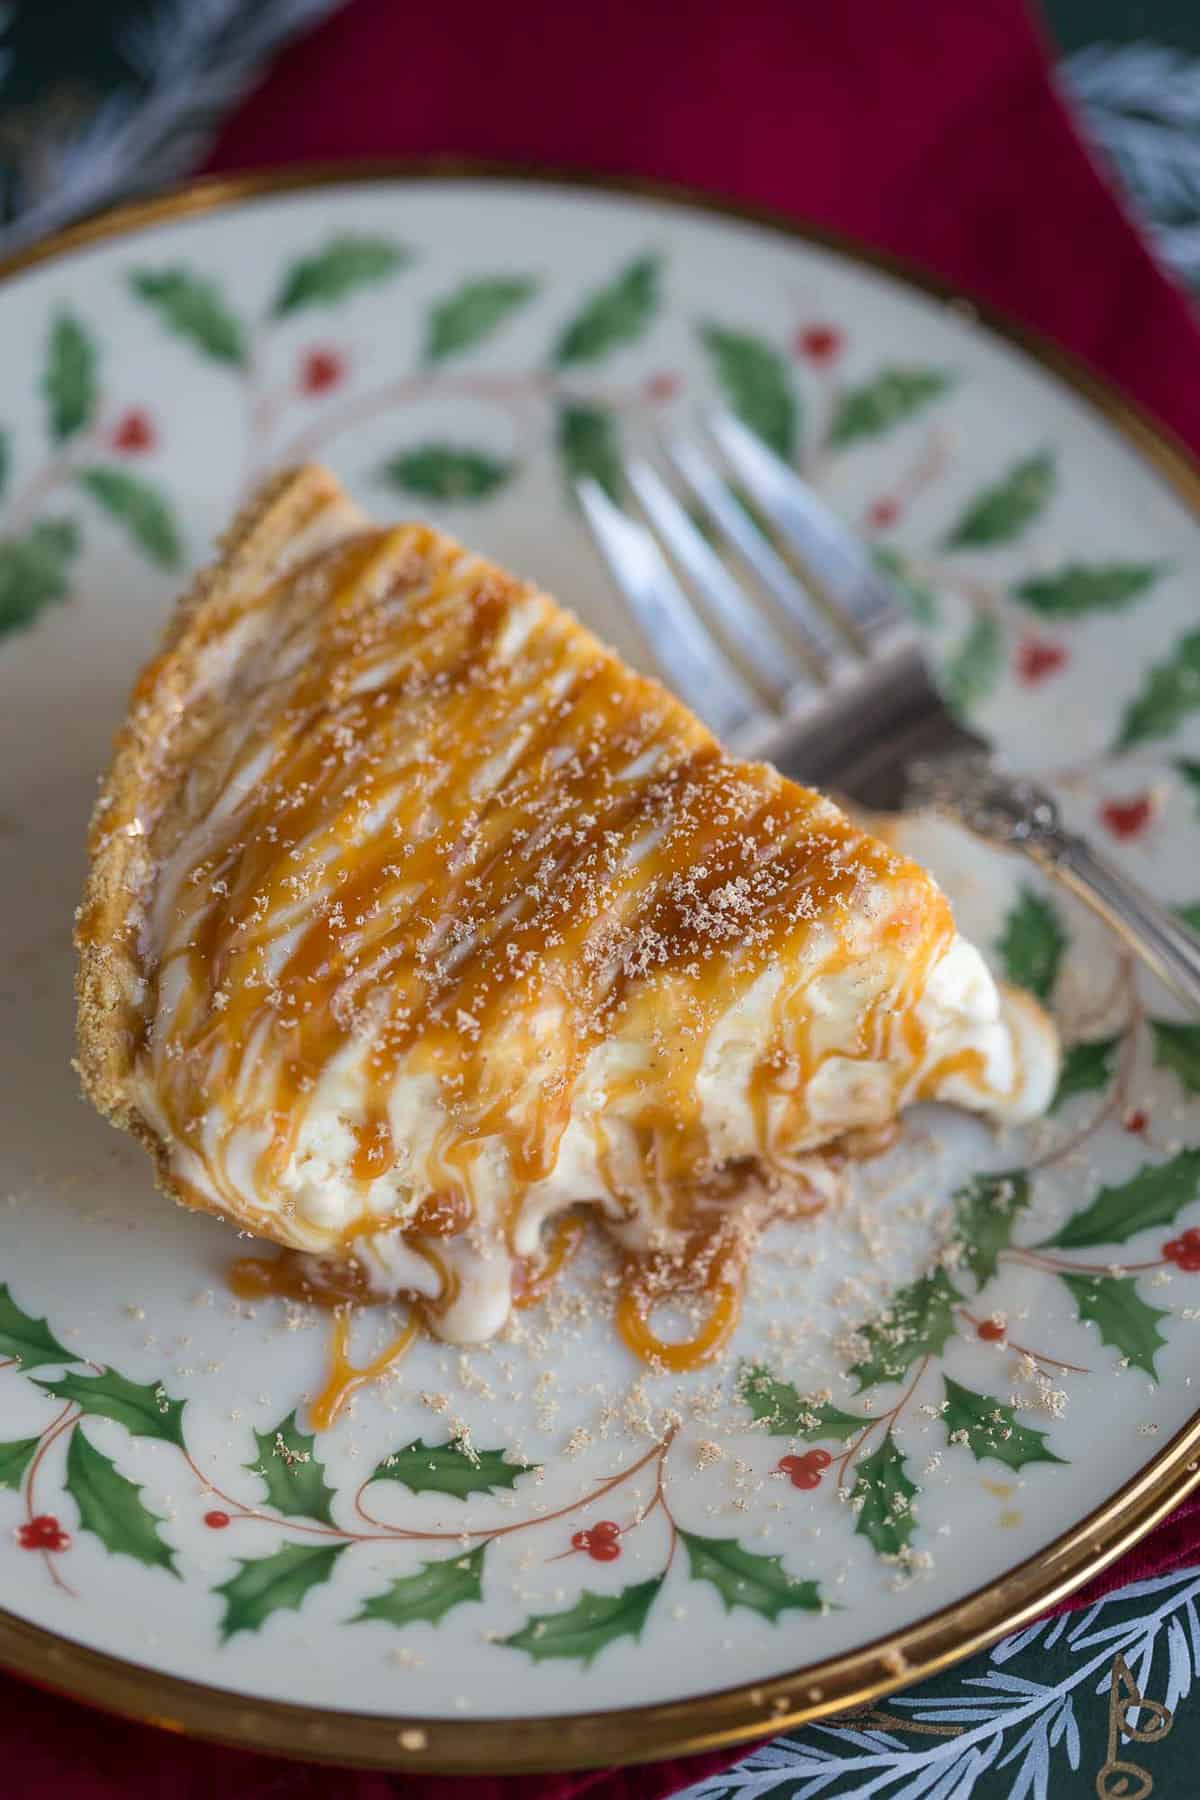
(473, 845)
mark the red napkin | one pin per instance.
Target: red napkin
(930, 129)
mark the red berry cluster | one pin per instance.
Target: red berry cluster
(991, 1331)
(883, 513)
(600, 1542)
(818, 343)
(1184, 1251)
(321, 370)
(1037, 658)
(133, 433)
(1125, 818)
(43, 1533)
(805, 1471)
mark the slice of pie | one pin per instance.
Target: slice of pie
(415, 917)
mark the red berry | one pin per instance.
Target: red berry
(1125, 818)
(882, 513)
(1037, 658)
(133, 433)
(991, 1331)
(819, 1459)
(663, 387)
(818, 343)
(582, 1540)
(216, 1520)
(606, 1529)
(604, 1550)
(1135, 1121)
(1184, 1251)
(321, 369)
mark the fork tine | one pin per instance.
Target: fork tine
(761, 647)
(691, 661)
(703, 478)
(841, 566)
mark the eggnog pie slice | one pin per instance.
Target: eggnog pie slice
(415, 918)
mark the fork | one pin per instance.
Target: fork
(836, 690)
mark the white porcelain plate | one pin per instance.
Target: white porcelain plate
(627, 1545)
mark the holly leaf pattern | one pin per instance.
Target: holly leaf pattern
(1085, 1069)
(447, 472)
(1190, 771)
(989, 1428)
(140, 507)
(193, 307)
(756, 382)
(15, 1457)
(920, 599)
(145, 1410)
(985, 1211)
(473, 312)
(790, 1414)
(918, 1322)
(295, 1479)
(1124, 1319)
(29, 1340)
(349, 261)
(1151, 1197)
(112, 1507)
(1000, 514)
(448, 1469)
(267, 1584)
(1178, 1047)
(587, 443)
(1031, 945)
(34, 570)
(970, 674)
(617, 314)
(584, 1629)
(1080, 588)
(431, 1593)
(1169, 692)
(742, 1578)
(69, 383)
(882, 1499)
(890, 397)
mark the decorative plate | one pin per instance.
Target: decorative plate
(953, 1397)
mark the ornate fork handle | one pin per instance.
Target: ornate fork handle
(1020, 815)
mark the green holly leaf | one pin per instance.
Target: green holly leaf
(1189, 914)
(1031, 945)
(34, 570)
(351, 260)
(917, 1323)
(447, 472)
(585, 1628)
(448, 1469)
(588, 445)
(145, 1410)
(140, 507)
(985, 1211)
(790, 1414)
(882, 1499)
(267, 1584)
(1151, 1197)
(759, 1583)
(1190, 771)
(30, 1340)
(989, 1428)
(473, 312)
(1079, 588)
(616, 314)
(69, 383)
(295, 1480)
(1178, 1047)
(15, 1458)
(193, 307)
(1169, 692)
(999, 514)
(970, 674)
(113, 1508)
(439, 1586)
(886, 400)
(1085, 1069)
(920, 600)
(756, 381)
(1125, 1321)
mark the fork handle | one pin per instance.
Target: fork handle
(1020, 815)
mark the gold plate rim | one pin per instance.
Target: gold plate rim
(732, 1715)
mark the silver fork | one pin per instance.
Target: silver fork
(838, 694)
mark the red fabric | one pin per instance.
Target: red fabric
(930, 129)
